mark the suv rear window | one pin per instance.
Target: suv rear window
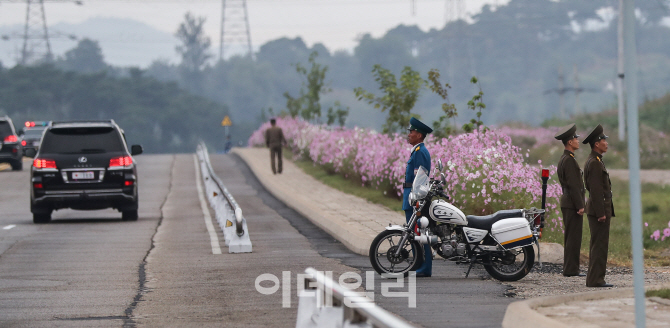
(82, 140)
(33, 133)
(5, 129)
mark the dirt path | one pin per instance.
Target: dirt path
(651, 176)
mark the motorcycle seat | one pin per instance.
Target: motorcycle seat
(485, 222)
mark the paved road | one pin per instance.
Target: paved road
(82, 269)
(89, 268)
(445, 300)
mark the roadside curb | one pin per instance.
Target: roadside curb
(356, 241)
(523, 314)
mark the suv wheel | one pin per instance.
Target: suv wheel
(41, 217)
(129, 215)
(17, 166)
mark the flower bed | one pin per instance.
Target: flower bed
(485, 172)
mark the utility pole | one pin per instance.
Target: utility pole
(620, 75)
(635, 190)
(577, 90)
(234, 27)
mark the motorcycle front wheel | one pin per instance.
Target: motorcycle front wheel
(383, 253)
(511, 265)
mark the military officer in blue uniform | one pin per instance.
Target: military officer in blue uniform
(420, 156)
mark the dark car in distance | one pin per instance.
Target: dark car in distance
(84, 166)
(32, 135)
(11, 150)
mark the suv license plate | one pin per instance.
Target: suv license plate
(83, 175)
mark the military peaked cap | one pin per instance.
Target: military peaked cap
(595, 135)
(417, 125)
(567, 132)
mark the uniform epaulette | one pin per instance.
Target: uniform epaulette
(598, 159)
(417, 148)
(573, 156)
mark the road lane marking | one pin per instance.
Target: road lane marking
(9, 227)
(4, 166)
(214, 239)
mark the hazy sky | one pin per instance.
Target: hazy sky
(335, 23)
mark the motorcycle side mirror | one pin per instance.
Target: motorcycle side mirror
(439, 165)
(444, 179)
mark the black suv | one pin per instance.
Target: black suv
(11, 150)
(83, 166)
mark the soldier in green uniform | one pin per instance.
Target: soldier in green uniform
(274, 139)
(572, 200)
(599, 207)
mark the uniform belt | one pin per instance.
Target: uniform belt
(407, 185)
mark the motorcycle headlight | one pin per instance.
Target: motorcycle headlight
(411, 198)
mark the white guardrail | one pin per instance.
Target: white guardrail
(228, 213)
(325, 303)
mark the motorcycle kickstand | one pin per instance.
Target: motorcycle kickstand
(472, 262)
(539, 259)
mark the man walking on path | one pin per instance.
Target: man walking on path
(599, 207)
(420, 157)
(274, 139)
(572, 200)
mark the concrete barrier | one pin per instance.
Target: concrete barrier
(228, 212)
(324, 303)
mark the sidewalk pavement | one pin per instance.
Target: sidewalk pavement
(355, 222)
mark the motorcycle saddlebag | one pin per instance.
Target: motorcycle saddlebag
(512, 232)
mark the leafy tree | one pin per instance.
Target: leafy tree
(476, 105)
(398, 100)
(194, 49)
(86, 57)
(308, 105)
(441, 127)
(315, 87)
(293, 105)
(337, 112)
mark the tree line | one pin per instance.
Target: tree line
(516, 51)
(161, 116)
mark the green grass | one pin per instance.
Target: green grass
(662, 293)
(655, 205)
(377, 196)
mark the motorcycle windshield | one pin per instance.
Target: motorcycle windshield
(421, 184)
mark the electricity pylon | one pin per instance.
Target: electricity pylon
(234, 27)
(36, 45)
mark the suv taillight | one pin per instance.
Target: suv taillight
(42, 163)
(11, 138)
(124, 161)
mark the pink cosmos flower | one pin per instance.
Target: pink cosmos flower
(656, 235)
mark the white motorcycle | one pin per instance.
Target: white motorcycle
(502, 242)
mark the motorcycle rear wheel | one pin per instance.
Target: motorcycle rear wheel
(382, 255)
(511, 266)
